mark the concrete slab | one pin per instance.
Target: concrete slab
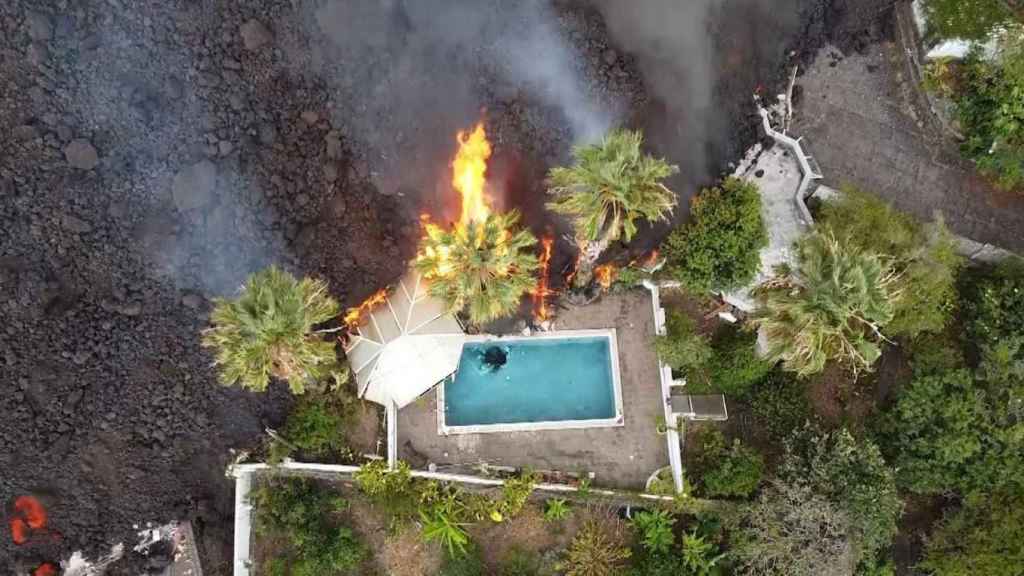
(621, 457)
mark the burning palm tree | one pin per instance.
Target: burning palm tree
(268, 331)
(610, 187)
(484, 267)
(484, 264)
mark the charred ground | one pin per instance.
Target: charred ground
(157, 152)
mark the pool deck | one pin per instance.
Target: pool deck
(620, 457)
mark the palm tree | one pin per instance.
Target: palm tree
(610, 186)
(483, 267)
(268, 331)
(832, 307)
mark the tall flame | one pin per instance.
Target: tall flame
(540, 294)
(605, 275)
(469, 174)
(355, 316)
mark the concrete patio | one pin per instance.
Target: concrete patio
(620, 457)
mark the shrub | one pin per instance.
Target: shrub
(780, 405)
(700, 557)
(440, 524)
(735, 366)
(852, 474)
(993, 303)
(923, 257)
(595, 551)
(990, 108)
(300, 510)
(681, 347)
(515, 492)
(986, 536)
(720, 249)
(935, 430)
(655, 530)
(556, 509)
(316, 426)
(967, 19)
(792, 530)
(392, 490)
(831, 307)
(268, 331)
(735, 472)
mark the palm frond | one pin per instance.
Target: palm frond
(268, 331)
(611, 186)
(484, 267)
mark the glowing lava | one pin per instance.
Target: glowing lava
(605, 275)
(354, 316)
(46, 569)
(469, 174)
(540, 303)
(29, 515)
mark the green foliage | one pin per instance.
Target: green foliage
(700, 557)
(655, 530)
(990, 107)
(392, 490)
(993, 303)
(935, 431)
(852, 474)
(734, 367)
(519, 562)
(986, 536)
(468, 564)
(595, 551)
(515, 492)
(268, 331)
(556, 509)
(484, 267)
(301, 511)
(440, 524)
(681, 347)
(610, 187)
(729, 472)
(316, 426)
(793, 531)
(780, 405)
(720, 249)
(830, 308)
(967, 19)
(923, 256)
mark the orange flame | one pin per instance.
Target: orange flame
(45, 569)
(540, 294)
(605, 275)
(29, 515)
(469, 174)
(650, 261)
(354, 316)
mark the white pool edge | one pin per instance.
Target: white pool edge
(613, 351)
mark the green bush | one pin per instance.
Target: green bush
(986, 536)
(780, 405)
(735, 367)
(655, 530)
(720, 248)
(394, 491)
(923, 256)
(515, 492)
(967, 19)
(732, 473)
(316, 426)
(990, 107)
(993, 302)
(595, 551)
(681, 347)
(301, 511)
(852, 474)
(556, 509)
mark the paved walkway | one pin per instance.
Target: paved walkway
(857, 118)
(621, 457)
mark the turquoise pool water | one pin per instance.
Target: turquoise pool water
(542, 380)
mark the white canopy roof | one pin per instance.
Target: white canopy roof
(405, 346)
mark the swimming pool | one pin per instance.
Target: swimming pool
(555, 380)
